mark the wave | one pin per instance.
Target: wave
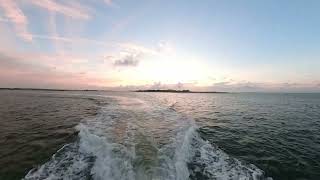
(119, 145)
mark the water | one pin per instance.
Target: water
(125, 135)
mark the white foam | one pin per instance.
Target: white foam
(102, 154)
(67, 163)
(111, 160)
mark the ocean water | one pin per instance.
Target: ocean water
(126, 135)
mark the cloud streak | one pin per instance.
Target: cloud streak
(110, 3)
(15, 15)
(69, 39)
(4, 20)
(76, 11)
(17, 71)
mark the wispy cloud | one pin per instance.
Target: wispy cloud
(134, 48)
(74, 11)
(19, 20)
(15, 15)
(16, 70)
(4, 19)
(52, 28)
(69, 39)
(110, 3)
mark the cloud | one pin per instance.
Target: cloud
(134, 48)
(110, 3)
(15, 15)
(75, 10)
(165, 47)
(69, 40)
(128, 60)
(72, 72)
(11, 62)
(130, 55)
(18, 71)
(4, 20)
(224, 83)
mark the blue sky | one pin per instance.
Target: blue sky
(243, 45)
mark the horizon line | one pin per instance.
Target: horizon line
(145, 90)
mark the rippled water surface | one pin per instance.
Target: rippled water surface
(126, 135)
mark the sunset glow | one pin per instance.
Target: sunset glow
(247, 46)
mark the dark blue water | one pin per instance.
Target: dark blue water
(277, 132)
(125, 135)
(34, 125)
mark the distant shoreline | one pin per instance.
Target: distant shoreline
(39, 89)
(95, 90)
(152, 90)
(177, 91)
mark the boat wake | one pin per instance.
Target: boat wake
(130, 139)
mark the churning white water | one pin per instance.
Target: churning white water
(137, 139)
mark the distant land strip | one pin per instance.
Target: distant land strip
(147, 90)
(177, 91)
(40, 89)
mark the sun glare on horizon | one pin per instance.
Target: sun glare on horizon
(114, 44)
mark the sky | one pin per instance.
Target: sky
(208, 45)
